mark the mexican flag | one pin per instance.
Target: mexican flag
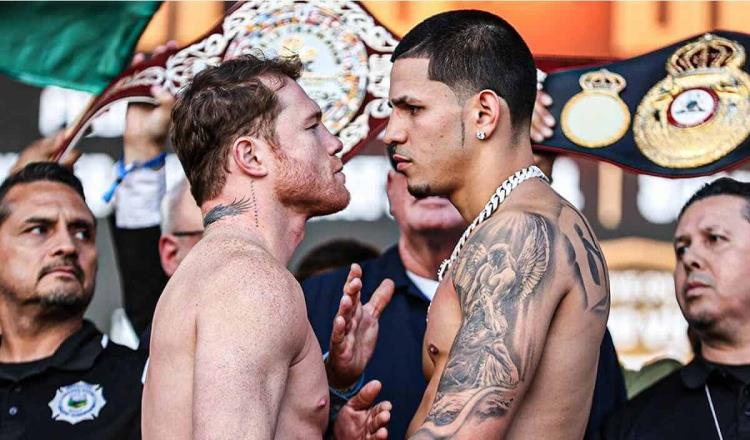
(77, 45)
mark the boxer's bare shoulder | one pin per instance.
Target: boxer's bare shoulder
(518, 319)
(237, 334)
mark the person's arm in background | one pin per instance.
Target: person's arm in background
(137, 198)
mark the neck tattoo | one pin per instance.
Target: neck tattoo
(237, 207)
(498, 197)
(255, 203)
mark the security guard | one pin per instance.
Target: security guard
(59, 376)
(709, 398)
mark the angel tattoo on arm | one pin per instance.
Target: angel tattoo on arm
(500, 272)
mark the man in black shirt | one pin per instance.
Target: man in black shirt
(710, 397)
(59, 377)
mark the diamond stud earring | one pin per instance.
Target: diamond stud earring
(481, 135)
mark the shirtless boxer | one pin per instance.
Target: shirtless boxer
(514, 330)
(232, 353)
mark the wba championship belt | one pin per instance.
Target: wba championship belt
(345, 52)
(681, 111)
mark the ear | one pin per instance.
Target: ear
(488, 112)
(168, 248)
(249, 154)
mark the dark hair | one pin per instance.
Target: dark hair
(332, 255)
(471, 51)
(36, 172)
(724, 186)
(221, 104)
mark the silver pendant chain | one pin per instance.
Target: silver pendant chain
(713, 411)
(501, 193)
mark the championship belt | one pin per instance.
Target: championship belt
(345, 52)
(681, 111)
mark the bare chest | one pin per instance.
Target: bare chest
(305, 406)
(443, 322)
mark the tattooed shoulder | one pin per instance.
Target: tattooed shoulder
(515, 244)
(586, 260)
(504, 268)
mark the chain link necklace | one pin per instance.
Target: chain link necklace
(501, 193)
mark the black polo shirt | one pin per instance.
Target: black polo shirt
(677, 406)
(89, 389)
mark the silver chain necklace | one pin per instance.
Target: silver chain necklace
(501, 193)
(713, 411)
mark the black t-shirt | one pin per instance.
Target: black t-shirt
(90, 388)
(677, 407)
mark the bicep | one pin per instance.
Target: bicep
(500, 283)
(232, 402)
(242, 360)
(424, 406)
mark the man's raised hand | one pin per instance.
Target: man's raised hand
(45, 150)
(355, 330)
(542, 120)
(146, 125)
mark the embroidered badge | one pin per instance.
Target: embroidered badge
(77, 402)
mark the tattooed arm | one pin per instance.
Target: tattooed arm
(501, 280)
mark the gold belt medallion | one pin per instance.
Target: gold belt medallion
(700, 112)
(596, 117)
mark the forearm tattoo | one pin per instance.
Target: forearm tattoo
(503, 268)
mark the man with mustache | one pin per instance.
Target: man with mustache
(710, 397)
(59, 376)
